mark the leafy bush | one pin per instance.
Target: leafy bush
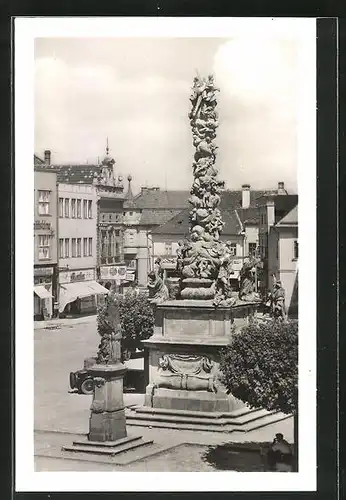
(136, 317)
(260, 366)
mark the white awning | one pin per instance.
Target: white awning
(42, 292)
(69, 292)
(97, 287)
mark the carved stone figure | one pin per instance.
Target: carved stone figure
(247, 286)
(158, 291)
(109, 351)
(277, 301)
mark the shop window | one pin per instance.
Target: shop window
(67, 247)
(61, 248)
(90, 246)
(90, 214)
(44, 247)
(252, 248)
(61, 207)
(85, 247)
(79, 247)
(295, 250)
(79, 209)
(67, 207)
(73, 208)
(44, 202)
(74, 247)
(85, 209)
(233, 249)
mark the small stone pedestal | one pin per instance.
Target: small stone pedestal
(107, 424)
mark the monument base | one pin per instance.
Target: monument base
(107, 448)
(183, 356)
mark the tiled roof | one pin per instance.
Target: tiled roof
(282, 201)
(290, 219)
(38, 160)
(249, 215)
(180, 224)
(154, 198)
(77, 174)
(157, 217)
(233, 199)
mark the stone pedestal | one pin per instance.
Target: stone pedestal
(107, 424)
(184, 355)
(107, 418)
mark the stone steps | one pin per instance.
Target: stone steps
(107, 448)
(240, 421)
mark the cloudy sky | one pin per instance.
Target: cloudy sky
(136, 92)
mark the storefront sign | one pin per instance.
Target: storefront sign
(113, 272)
(74, 276)
(41, 224)
(43, 271)
(130, 277)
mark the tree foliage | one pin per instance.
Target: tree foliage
(136, 317)
(260, 366)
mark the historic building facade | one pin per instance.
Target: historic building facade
(45, 238)
(77, 210)
(283, 256)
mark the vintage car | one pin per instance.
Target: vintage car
(133, 381)
(82, 379)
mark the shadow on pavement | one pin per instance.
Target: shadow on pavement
(239, 457)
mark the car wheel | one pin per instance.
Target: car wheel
(72, 380)
(87, 386)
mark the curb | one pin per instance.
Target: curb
(47, 325)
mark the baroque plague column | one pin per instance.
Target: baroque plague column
(185, 390)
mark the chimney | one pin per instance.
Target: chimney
(245, 203)
(281, 188)
(47, 155)
(270, 213)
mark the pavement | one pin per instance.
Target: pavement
(61, 322)
(60, 415)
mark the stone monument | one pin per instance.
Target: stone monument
(107, 423)
(183, 355)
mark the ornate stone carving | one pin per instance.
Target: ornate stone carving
(109, 351)
(158, 292)
(277, 300)
(199, 259)
(247, 286)
(185, 371)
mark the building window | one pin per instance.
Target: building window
(44, 247)
(295, 250)
(73, 208)
(85, 247)
(233, 249)
(61, 248)
(90, 213)
(67, 247)
(74, 248)
(61, 207)
(67, 207)
(168, 248)
(79, 209)
(85, 209)
(252, 248)
(44, 202)
(117, 232)
(79, 247)
(90, 246)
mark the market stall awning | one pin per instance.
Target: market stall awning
(71, 291)
(42, 292)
